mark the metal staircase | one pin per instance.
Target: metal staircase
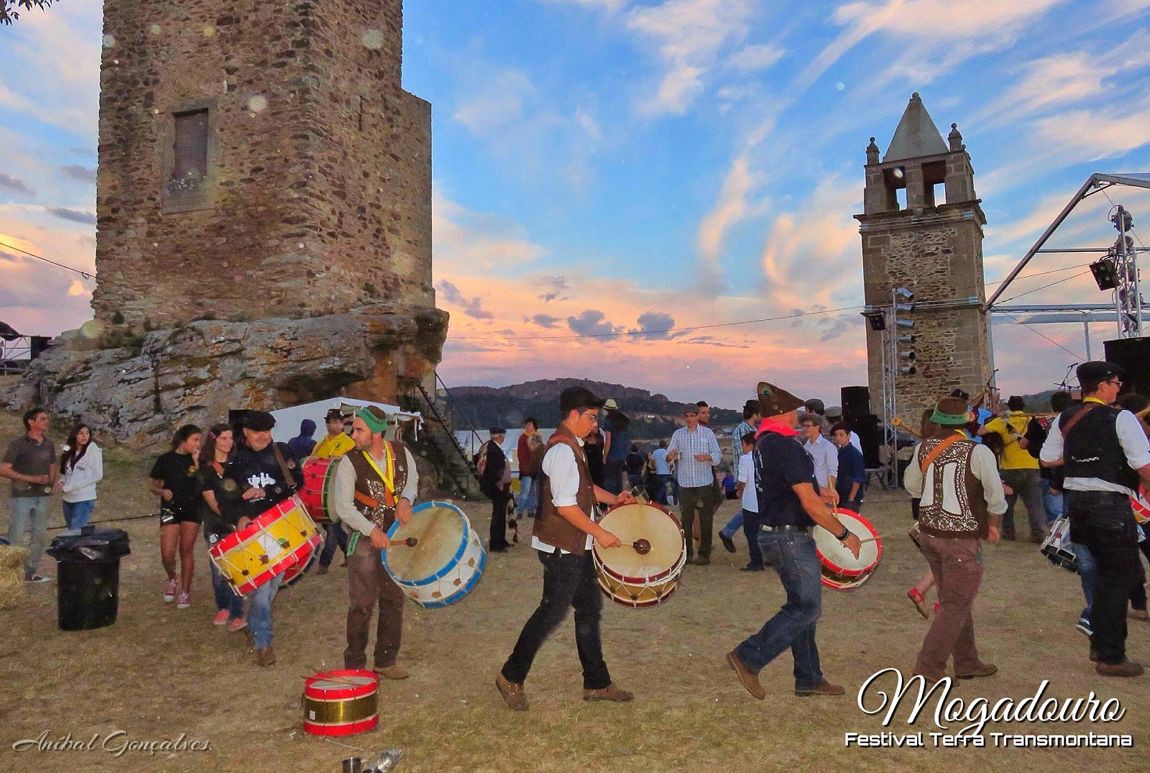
(437, 442)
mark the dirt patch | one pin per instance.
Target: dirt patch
(159, 673)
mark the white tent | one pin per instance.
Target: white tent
(288, 419)
(471, 441)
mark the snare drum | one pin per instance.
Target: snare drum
(447, 560)
(644, 570)
(341, 702)
(279, 540)
(317, 491)
(840, 569)
(1057, 546)
(1140, 504)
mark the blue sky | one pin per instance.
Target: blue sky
(617, 165)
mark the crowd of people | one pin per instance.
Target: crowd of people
(795, 466)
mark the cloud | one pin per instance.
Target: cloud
(496, 104)
(689, 37)
(755, 57)
(592, 323)
(472, 307)
(74, 215)
(610, 6)
(464, 240)
(81, 173)
(544, 320)
(1085, 135)
(730, 209)
(655, 325)
(9, 183)
(554, 287)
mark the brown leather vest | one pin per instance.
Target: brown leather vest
(370, 484)
(550, 526)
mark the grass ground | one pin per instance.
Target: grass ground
(159, 672)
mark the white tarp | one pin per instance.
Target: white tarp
(471, 441)
(288, 419)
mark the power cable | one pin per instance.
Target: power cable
(84, 274)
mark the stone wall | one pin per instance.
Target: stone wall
(938, 257)
(318, 193)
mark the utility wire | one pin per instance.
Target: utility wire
(84, 274)
(1048, 338)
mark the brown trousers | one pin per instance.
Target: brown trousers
(957, 567)
(367, 583)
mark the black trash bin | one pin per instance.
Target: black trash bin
(88, 585)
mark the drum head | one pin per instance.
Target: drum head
(641, 522)
(334, 681)
(836, 557)
(441, 529)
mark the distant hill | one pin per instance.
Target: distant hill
(652, 415)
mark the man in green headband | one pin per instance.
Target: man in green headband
(375, 485)
(962, 502)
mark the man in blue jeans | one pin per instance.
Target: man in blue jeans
(789, 509)
(29, 462)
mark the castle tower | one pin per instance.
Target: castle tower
(921, 230)
(258, 159)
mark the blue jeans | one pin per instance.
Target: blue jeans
(76, 514)
(526, 496)
(1088, 574)
(749, 523)
(793, 626)
(226, 598)
(336, 537)
(1052, 502)
(29, 513)
(260, 612)
(667, 487)
(733, 525)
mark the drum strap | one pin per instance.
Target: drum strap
(288, 479)
(928, 460)
(1086, 408)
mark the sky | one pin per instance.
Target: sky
(603, 168)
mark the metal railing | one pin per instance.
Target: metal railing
(447, 425)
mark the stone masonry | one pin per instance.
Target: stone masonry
(263, 217)
(932, 247)
(317, 193)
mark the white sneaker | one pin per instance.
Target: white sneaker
(183, 601)
(170, 588)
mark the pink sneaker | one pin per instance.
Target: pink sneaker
(183, 601)
(221, 617)
(237, 624)
(170, 588)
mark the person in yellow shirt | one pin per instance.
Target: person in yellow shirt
(1019, 469)
(334, 445)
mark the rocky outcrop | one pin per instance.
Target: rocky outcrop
(139, 391)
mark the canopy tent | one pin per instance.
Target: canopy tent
(288, 419)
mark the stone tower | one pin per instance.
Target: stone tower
(921, 230)
(258, 158)
(263, 216)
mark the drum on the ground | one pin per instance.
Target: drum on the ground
(446, 560)
(341, 702)
(317, 492)
(1058, 548)
(841, 570)
(280, 539)
(645, 569)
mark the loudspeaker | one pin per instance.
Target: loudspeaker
(1133, 354)
(866, 427)
(856, 404)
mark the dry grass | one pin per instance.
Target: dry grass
(159, 672)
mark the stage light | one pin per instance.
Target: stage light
(907, 370)
(1122, 220)
(1105, 273)
(876, 318)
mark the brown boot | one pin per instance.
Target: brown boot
(608, 693)
(749, 680)
(1125, 668)
(822, 688)
(984, 669)
(265, 656)
(392, 672)
(512, 693)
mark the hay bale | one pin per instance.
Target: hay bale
(12, 562)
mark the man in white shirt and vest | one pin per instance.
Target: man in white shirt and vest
(564, 529)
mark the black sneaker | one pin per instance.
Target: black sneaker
(728, 543)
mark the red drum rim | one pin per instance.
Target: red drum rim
(341, 693)
(846, 571)
(351, 728)
(297, 556)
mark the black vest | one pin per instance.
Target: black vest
(1092, 450)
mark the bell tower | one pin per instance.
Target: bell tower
(921, 231)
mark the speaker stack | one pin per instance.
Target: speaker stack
(1133, 354)
(858, 416)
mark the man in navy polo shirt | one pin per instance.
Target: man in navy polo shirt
(789, 509)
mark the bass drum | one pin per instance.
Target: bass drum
(644, 570)
(445, 563)
(841, 570)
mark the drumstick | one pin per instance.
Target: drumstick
(410, 542)
(875, 538)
